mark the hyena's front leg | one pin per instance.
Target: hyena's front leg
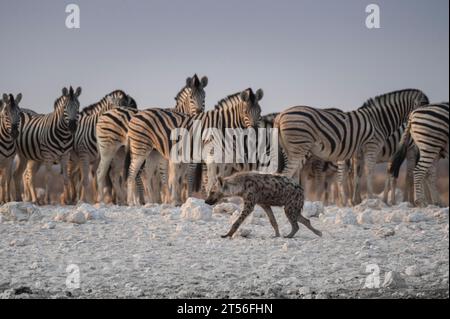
(248, 208)
(272, 219)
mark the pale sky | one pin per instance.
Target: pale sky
(310, 52)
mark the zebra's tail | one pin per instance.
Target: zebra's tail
(127, 162)
(399, 156)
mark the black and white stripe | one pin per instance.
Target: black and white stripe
(428, 127)
(338, 136)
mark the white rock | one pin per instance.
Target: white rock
(385, 232)
(284, 247)
(244, 232)
(60, 216)
(225, 208)
(397, 216)
(365, 217)
(196, 209)
(18, 211)
(394, 280)
(76, 217)
(346, 217)
(19, 242)
(49, 225)
(312, 209)
(304, 291)
(416, 217)
(412, 271)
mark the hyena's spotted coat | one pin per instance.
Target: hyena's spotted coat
(265, 190)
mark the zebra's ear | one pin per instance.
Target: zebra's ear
(189, 82)
(65, 91)
(245, 95)
(5, 98)
(18, 99)
(259, 94)
(78, 91)
(204, 81)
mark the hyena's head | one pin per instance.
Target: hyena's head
(10, 113)
(71, 107)
(222, 188)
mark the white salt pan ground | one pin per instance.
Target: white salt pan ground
(162, 251)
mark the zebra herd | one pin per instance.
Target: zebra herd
(113, 151)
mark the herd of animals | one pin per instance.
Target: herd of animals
(113, 151)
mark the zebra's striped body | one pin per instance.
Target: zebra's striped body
(112, 129)
(85, 152)
(151, 130)
(47, 138)
(9, 131)
(338, 136)
(214, 170)
(428, 127)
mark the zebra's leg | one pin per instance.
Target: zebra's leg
(84, 170)
(66, 180)
(408, 190)
(133, 170)
(152, 169)
(94, 188)
(342, 177)
(106, 157)
(175, 181)
(18, 178)
(431, 181)
(420, 171)
(357, 162)
(387, 186)
(32, 167)
(370, 160)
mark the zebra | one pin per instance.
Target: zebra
(428, 127)
(151, 130)
(112, 129)
(214, 170)
(9, 131)
(84, 151)
(338, 136)
(47, 139)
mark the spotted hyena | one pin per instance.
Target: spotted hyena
(265, 190)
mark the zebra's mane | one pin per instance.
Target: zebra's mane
(60, 101)
(183, 92)
(92, 108)
(375, 101)
(232, 99)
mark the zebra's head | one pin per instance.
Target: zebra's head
(191, 99)
(71, 107)
(120, 98)
(251, 111)
(11, 113)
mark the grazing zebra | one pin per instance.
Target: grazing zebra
(151, 130)
(47, 139)
(9, 131)
(112, 129)
(84, 151)
(428, 127)
(338, 136)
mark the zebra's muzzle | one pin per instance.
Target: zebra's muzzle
(14, 131)
(72, 125)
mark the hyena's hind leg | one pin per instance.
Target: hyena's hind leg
(293, 213)
(272, 219)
